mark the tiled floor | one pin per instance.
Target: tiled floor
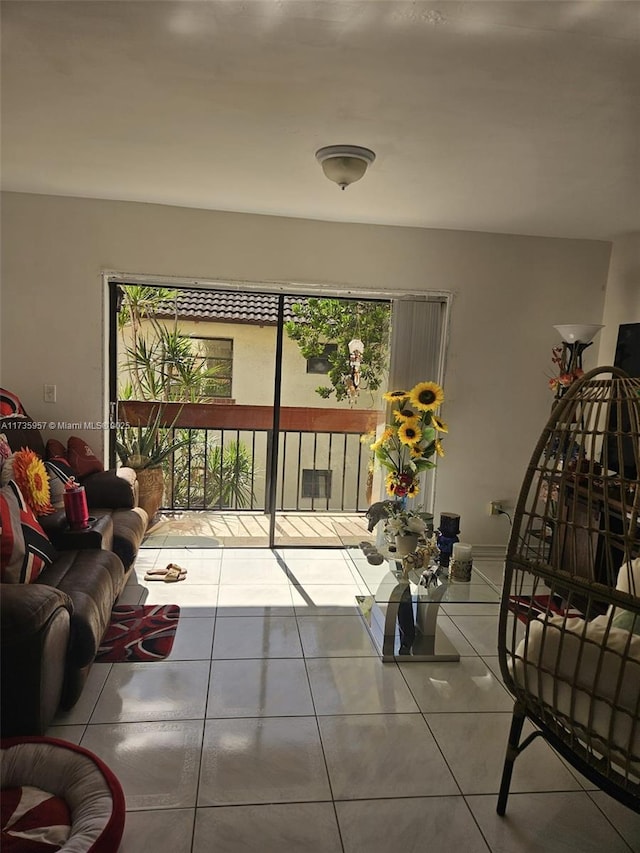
(273, 726)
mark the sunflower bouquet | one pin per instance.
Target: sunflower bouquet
(406, 447)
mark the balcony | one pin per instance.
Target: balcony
(220, 485)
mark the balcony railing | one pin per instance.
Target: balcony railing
(225, 462)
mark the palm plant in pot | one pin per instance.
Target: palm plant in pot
(144, 448)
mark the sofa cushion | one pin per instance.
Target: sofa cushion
(109, 489)
(55, 450)
(82, 458)
(24, 547)
(93, 580)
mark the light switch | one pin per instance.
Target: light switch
(49, 393)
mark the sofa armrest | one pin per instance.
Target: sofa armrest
(111, 489)
(26, 608)
(35, 642)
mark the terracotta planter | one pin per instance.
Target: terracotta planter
(150, 490)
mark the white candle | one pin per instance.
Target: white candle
(461, 551)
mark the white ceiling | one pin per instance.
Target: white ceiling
(517, 117)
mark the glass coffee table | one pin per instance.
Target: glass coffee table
(401, 614)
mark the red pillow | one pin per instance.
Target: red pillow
(55, 449)
(82, 458)
(10, 404)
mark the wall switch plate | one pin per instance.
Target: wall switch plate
(49, 393)
(495, 508)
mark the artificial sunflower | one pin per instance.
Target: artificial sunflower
(413, 489)
(426, 396)
(410, 432)
(404, 413)
(438, 424)
(395, 396)
(439, 447)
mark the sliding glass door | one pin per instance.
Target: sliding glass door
(268, 404)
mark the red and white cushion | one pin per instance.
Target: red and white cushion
(33, 821)
(24, 546)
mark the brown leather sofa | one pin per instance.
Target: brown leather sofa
(51, 629)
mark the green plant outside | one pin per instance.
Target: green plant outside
(321, 321)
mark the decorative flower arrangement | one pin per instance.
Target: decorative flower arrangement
(404, 522)
(406, 447)
(568, 371)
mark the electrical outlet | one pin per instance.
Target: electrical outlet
(495, 507)
(49, 393)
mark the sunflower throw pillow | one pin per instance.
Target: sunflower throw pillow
(27, 469)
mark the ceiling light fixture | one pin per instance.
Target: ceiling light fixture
(344, 164)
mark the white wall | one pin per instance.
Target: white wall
(622, 303)
(509, 291)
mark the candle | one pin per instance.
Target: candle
(461, 551)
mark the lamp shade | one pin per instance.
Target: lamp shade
(584, 333)
(344, 164)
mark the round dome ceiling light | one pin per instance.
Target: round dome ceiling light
(344, 164)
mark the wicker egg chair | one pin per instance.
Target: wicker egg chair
(569, 630)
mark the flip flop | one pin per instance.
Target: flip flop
(174, 574)
(161, 574)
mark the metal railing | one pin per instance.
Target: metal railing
(224, 463)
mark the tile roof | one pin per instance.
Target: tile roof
(228, 306)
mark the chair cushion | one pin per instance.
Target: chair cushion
(588, 672)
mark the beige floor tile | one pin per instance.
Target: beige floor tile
(466, 685)
(259, 688)
(82, 710)
(161, 690)
(383, 755)
(335, 636)
(256, 637)
(546, 823)
(156, 763)
(268, 760)
(325, 599)
(272, 828)
(159, 830)
(195, 600)
(413, 825)
(255, 600)
(193, 639)
(474, 747)
(358, 686)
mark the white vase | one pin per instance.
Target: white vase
(406, 544)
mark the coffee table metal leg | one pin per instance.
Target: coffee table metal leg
(420, 639)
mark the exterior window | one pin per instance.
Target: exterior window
(320, 363)
(217, 354)
(316, 484)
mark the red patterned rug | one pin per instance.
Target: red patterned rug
(139, 632)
